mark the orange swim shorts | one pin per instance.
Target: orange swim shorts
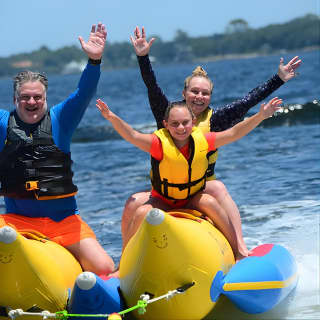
(66, 232)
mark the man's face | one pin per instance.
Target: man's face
(31, 102)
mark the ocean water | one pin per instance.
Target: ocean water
(273, 174)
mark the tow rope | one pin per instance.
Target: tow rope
(141, 305)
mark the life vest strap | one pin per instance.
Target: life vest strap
(35, 173)
(210, 170)
(183, 186)
(32, 185)
(55, 197)
(47, 163)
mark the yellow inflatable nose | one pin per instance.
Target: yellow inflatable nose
(34, 275)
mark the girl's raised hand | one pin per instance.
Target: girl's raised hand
(104, 109)
(267, 110)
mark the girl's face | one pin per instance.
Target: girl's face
(198, 94)
(179, 124)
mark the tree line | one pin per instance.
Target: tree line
(238, 38)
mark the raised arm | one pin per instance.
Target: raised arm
(229, 115)
(68, 114)
(157, 99)
(141, 140)
(247, 125)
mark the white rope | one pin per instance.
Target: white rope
(13, 314)
(168, 295)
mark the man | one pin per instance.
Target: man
(35, 162)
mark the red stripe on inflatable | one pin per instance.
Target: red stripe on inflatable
(261, 250)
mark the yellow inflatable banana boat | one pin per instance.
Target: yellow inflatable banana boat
(186, 260)
(35, 274)
(177, 262)
(171, 250)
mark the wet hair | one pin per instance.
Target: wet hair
(177, 104)
(28, 76)
(197, 72)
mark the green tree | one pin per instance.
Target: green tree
(239, 38)
(237, 25)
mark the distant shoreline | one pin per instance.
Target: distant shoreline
(250, 55)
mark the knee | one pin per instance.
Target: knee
(141, 212)
(133, 224)
(92, 256)
(216, 188)
(104, 266)
(133, 203)
(212, 204)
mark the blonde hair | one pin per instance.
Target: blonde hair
(197, 72)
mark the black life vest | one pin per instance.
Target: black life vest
(31, 165)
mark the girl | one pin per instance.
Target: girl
(179, 161)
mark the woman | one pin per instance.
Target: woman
(197, 93)
(179, 162)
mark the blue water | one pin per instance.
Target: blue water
(273, 174)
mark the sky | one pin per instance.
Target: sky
(27, 25)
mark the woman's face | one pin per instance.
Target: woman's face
(198, 94)
(179, 124)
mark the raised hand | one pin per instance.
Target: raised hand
(96, 43)
(139, 42)
(267, 110)
(288, 71)
(104, 109)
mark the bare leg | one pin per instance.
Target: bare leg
(89, 253)
(132, 204)
(218, 190)
(92, 256)
(210, 207)
(138, 216)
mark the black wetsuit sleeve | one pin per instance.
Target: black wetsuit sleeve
(227, 116)
(157, 99)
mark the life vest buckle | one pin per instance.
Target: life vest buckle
(32, 185)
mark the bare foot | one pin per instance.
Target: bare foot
(242, 254)
(239, 257)
(114, 274)
(243, 250)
